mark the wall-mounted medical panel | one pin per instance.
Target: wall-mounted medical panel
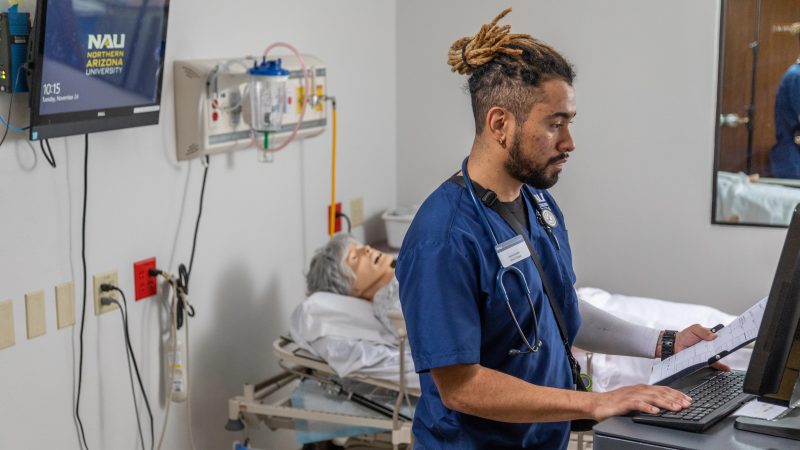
(212, 105)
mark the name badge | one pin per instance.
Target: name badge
(512, 251)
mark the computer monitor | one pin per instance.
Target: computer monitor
(775, 364)
(96, 65)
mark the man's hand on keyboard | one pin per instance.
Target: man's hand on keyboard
(694, 334)
(642, 397)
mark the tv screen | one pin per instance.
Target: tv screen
(96, 65)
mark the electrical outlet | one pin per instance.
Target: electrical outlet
(65, 304)
(144, 284)
(337, 223)
(34, 313)
(109, 277)
(6, 324)
(356, 211)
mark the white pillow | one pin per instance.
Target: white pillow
(325, 314)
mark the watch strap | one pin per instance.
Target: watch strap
(668, 344)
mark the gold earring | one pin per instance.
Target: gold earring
(502, 141)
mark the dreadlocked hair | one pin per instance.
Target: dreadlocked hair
(506, 69)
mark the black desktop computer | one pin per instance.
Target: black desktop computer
(773, 371)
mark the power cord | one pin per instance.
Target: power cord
(132, 356)
(51, 159)
(183, 272)
(341, 214)
(109, 301)
(83, 309)
(197, 223)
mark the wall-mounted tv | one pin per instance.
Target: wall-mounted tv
(96, 65)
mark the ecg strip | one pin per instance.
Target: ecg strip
(740, 332)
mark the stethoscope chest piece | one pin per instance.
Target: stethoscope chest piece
(549, 218)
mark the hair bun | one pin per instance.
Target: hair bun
(469, 53)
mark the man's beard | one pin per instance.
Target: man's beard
(525, 171)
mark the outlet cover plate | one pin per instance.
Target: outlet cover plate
(144, 284)
(109, 277)
(357, 211)
(65, 304)
(34, 312)
(337, 227)
(6, 324)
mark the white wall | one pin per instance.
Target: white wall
(637, 192)
(260, 223)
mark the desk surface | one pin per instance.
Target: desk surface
(621, 433)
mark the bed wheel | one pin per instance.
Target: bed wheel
(234, 425)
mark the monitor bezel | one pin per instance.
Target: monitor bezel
(89, 121)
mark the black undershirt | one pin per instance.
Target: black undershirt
(516, 207)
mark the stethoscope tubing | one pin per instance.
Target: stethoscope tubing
(500, 285)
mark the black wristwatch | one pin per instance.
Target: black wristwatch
(668, 344)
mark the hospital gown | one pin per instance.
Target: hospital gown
(385, 300)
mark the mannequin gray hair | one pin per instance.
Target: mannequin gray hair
(328, 271)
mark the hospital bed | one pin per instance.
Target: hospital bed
(742, 198)
(264, 402)
(267, 402)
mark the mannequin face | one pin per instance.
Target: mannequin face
(372, 269)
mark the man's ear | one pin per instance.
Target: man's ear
(500, 125)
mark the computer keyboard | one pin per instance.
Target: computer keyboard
(712, 400)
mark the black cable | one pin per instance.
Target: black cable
(83, 310)
(136, 367)
(51, 159)
(197, 224)
(341, 214)
(130, 371)
(183, 272)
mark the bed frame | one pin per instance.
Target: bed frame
(260, 401)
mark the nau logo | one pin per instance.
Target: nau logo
(106, 41)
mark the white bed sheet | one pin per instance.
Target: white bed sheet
(345, 333)
(610, 372)
(740, 200)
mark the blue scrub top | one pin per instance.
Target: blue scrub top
(785, 155)
(446, 269)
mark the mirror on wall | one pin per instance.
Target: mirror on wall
(757, 159)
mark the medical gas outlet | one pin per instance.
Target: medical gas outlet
(215, 111)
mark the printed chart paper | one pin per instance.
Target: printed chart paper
(740, 332)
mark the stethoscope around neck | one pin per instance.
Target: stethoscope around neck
(513, 270)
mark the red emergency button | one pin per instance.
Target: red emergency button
(215, 116)
(289, 100)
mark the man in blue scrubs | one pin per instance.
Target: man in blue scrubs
(785, 154)
(480, 390)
